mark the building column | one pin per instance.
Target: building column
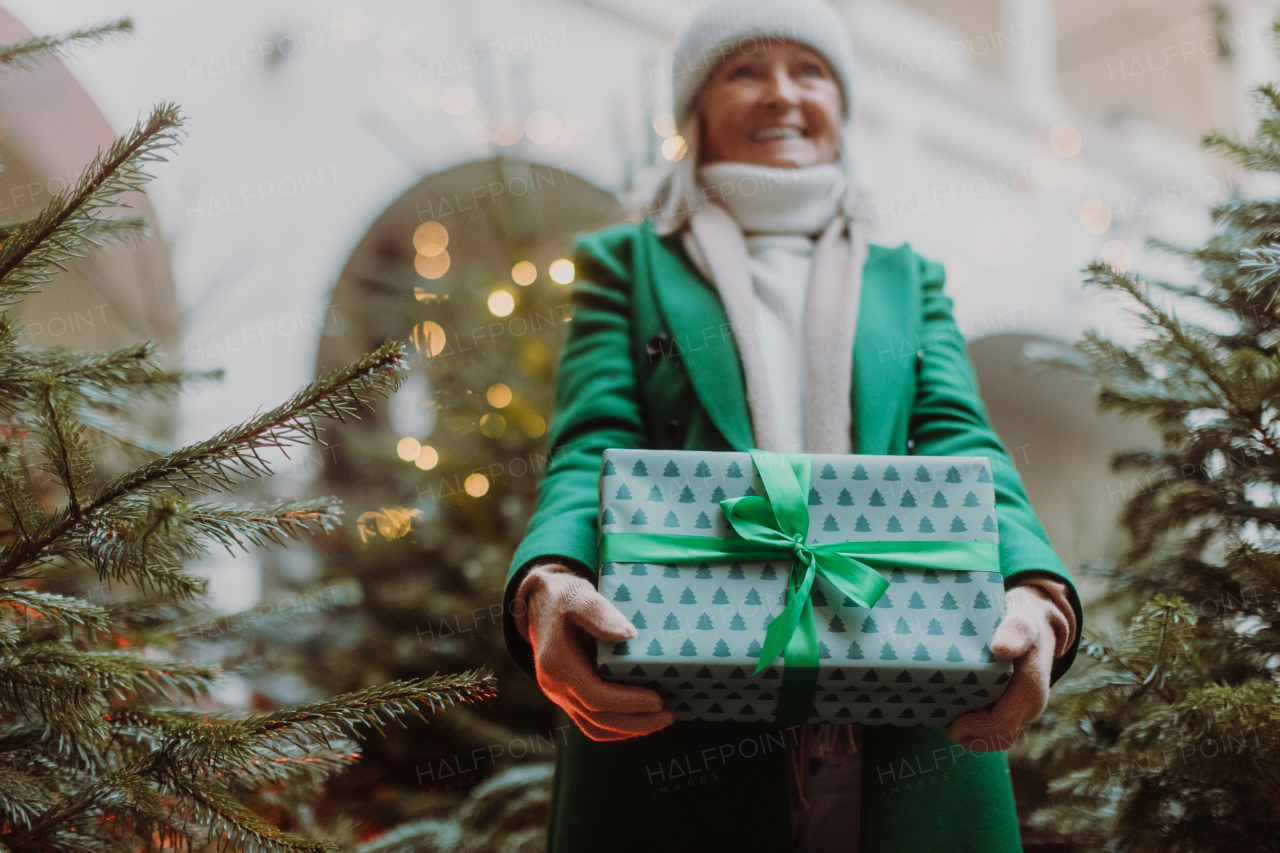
(1031, 61)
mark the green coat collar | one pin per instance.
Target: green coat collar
(694, 313)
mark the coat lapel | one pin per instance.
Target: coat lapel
(881, 351)
(693, 312)
(696, 317)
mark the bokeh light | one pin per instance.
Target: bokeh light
(498, 395)
(457, 98)
(674, 147)
(561, 271)
(1118, 255)
(428, 338)
(524, 273)
(390, 522)
(476, 485)
(501, 302)
(543, 126)
(1065, 140)
(506, 129)
(430, 238)
(353, 23)
(493, 425)
(408, 448)
(1095, 216)
(664, 124)
(432, 267)
(427, 458)
(533, 425)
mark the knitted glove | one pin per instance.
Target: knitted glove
(561, 614)
(1038, 626)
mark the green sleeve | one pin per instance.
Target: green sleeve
(597, 406)
(948, 418)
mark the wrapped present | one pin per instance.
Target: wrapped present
(803, 587)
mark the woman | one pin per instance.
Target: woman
(727, 321)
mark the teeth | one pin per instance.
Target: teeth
(776, 133)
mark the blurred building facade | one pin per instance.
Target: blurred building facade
(1013, 140)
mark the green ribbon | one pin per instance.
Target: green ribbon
(776, 527)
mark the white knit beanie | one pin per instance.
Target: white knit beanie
(722, 26)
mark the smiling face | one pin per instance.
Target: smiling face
(776, 106)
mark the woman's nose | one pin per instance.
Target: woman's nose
(784, 89)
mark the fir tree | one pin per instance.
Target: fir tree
(101, 744)
(1170, 740)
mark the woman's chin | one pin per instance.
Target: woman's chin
(783, 154)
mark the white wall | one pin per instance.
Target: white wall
(288, 162)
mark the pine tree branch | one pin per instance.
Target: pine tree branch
(46, 672)
(68, 449)
(1262, 269)
(1106, 276)
(234, 452)
(1150, 678)
(69, 223)
(261, 618)
(119, 788)
(213, 463)
(289, 769)
(91, 380)
(25, 797)
(16, 498)
(147, 540)
(228, 821)
(231, 526)
(344, 714)
(100, 377)
(63, 612)
(19, 839)
(33, 50)
(70, 704)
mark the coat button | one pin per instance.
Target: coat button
(659, 346)
(673, 431)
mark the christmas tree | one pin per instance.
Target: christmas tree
(1170, 740)
(463, 445)
(108, 741)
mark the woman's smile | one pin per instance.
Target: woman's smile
(779, 105)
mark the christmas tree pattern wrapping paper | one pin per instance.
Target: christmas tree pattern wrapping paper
(919, 656)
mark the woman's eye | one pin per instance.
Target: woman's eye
(812, 69)
(740, 72)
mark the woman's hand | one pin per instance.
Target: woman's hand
(1033, 632)
(562, 616)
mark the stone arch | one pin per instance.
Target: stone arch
(496, 213)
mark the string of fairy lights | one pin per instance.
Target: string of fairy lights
(430, 242)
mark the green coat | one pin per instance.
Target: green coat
(649, 362)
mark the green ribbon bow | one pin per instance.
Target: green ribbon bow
(776, 527)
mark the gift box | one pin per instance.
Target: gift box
(803, 587)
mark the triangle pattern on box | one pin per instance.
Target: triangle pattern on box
(924, 658)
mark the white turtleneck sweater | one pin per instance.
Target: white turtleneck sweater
(781, 212)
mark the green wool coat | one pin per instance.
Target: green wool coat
(650, 362)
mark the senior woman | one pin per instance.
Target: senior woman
(755, 231)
